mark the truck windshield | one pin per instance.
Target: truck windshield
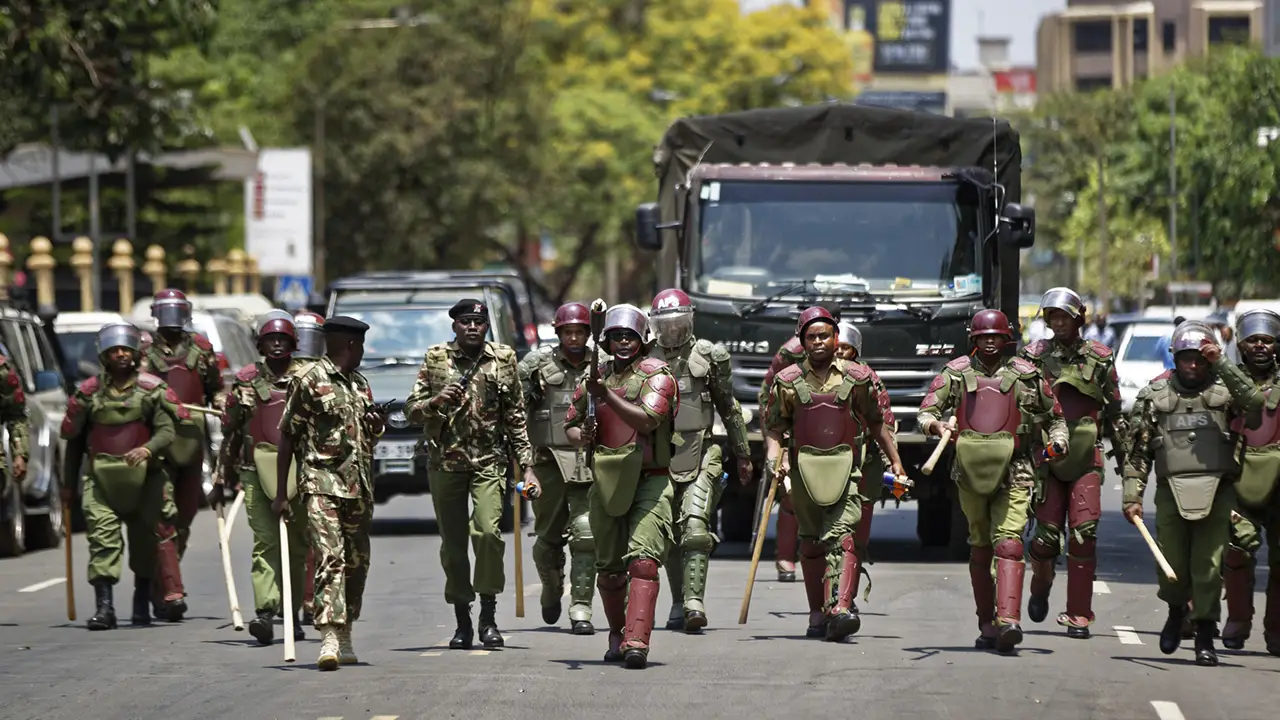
(886, 238)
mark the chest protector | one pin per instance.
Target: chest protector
(989, 423)
(826, 438)
(1076, 388)
(1194, 446)
(1261, 465)
(179, 371)
(117, 425)
(622, 455)
(694, 417)
(546, 422)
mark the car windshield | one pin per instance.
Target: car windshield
(1146, 348)
(759, 237)
(80, 347)
(402, 333)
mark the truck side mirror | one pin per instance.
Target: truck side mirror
(1018, 226)
(647, 237)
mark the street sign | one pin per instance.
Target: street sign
(293, 291)
(1199, 288)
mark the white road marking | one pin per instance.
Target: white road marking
(42, 585)
(478, 652)
(1127, 635)
(1167, 710)
(1100, 588)
(385, 717)
(435, 653)
(1118, 487)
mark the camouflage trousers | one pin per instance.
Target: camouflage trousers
(339, 531)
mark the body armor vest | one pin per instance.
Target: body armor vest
(546, 422)
(825, 420)
(1193, 437)
(991, 407)
(184, 380)
(694, 417)
(1267, 433)
(264, 424)
(116, 425)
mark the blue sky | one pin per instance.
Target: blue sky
(1016, 19)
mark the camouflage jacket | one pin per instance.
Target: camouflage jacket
(489, 428)
(646, 382)
(252, 386)
(13, 410)
(719, 384)
(324, 413)
(864, 402)
(1040, 410)
(200, 358)
(534, 370)
(160, 408)
(1089, 366)
(1246, 404)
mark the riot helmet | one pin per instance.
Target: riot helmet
(671, 318)
(171, 309)
(309, 332)
(1258, 322)
(119, 334)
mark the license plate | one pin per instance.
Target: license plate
(394, 450)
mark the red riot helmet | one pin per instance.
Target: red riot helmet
(990, 322)
(574, 313)
(171, 309)
(809, 316)
(278, 325)
(671, 318)
(309, 332)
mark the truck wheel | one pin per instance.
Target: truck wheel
(12, 523)
(933, 520)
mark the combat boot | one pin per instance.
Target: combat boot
(328, 659)
(695, 586)
(464, 637)
(642, 600)
(298, 633)
(1009, 577)
(1205, 654)
(844, 620)
(1042, 573)
(550, 564)
(1171, 633)
(490, 636)
(346, 651)
(104, 618)
(141, 601)
(261, 627)
(582, 575)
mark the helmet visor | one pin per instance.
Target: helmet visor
(672, 328)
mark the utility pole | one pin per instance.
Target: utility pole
(1104, 236)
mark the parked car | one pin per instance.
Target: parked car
(244, 307)
(77, 333)
(1141, 356)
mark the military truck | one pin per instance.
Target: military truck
(908, 221)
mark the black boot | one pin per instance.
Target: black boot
(1038, 608)
(1171, 633)
(261, 627)
(104, 618)
(141, 601)
(490, 637)
(464, 636)
(1205, 654)
(298, 633)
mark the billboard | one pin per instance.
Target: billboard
(277, 212)
(912, 37)
(1018, 81)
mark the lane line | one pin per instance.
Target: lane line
(1166, 710)
(385, 717)
(1127, 635)
(1101, 588)
(42, 585)
(434, 653)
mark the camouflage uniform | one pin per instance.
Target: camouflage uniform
(13, 414)
(561, 512)
(787, 552)
(324, 411)
(107, 422)
(190, 368)
(255, 392)
(470, 458)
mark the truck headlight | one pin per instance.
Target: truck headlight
(398, 420)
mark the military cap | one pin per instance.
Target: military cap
(344, 324)
(469, 306)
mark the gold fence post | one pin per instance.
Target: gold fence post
(122, 262)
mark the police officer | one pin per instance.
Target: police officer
(634, 400)
(250, 444)
(469, 399)
(1000, 407)
(705, 379)
(1259, 504)
(309, 328)
(832, 412)
(1084, 380)
(549, 376)
(1182, 428)
(123, 419)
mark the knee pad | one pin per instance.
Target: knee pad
(1236, 558)
(580, 537)
(696, 537)
(1087, 529)
(643, 569)
(607, 581)
(1047, 541)
(1010, 549)
(1082, 550)
(813, 549)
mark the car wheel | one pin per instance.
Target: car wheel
(13, 523)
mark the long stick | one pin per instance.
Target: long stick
(286, 595)
(232, 599)
(1155, 550)
(235, 508)
(760, 531)
(927, 468)
(515, 512)
(66, 551)
(202, 409)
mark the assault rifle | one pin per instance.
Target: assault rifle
(464, 382)
(598, 310)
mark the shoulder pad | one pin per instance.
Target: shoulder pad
(89, 386)
(961, 363)
(1022, 366)
(715, 351)
(1162, 376)
(147, 381)
(650, 365)
(1097, 349)
(147, 342)
(793, 347)
(858, 371)
(503, 352)
(247, 373)
(201, 342)
(789, 374)
(436, 353)
(1036, 349)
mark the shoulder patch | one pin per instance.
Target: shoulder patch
(1098, 349)
(961, 363)
(858, 371)
(1022, 365)
(436, 353)
(1036, 349)
(89, 386)
(201, 341)
(789, 374)
(248, 373)
(147, 381)
(650, 365)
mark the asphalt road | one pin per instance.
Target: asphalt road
(913, 658)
